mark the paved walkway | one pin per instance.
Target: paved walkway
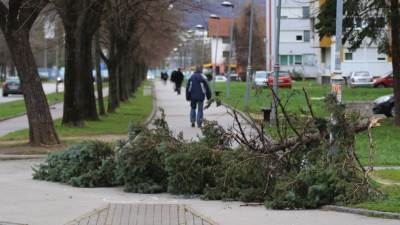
(32, 202)
(177, 111)
(21, 122)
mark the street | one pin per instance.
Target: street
(47, 87)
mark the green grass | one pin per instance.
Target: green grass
(385, 138)
(297, 100)
(136, 110)
(389, 174)
(16, 108)
(391, 203)
(386, 144)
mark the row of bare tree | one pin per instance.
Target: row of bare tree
(129, 35)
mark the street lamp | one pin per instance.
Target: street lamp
(248, 75)
(228, 83)
(277, 64)
(217, 18)
(202, 28)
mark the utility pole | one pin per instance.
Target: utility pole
(249, 69)
(277, 64)
(337, 78)
(217, 19)
(228, 82)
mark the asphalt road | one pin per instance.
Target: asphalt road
(48, 88)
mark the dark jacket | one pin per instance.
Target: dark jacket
(179, 78)
(197, 88)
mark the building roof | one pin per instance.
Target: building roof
(224, 24)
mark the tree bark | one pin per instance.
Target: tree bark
(81, 20)
(41, 127)
(99, 78)
(395, 45)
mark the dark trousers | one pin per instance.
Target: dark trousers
(196, 117)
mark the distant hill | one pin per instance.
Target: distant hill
(214, 7)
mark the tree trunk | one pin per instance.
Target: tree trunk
(71, 114)
(113, 100)
(79, 99)
(41, 127)
(395, 45)
(99, 78)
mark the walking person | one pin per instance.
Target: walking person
(179, 80)
(197, 90)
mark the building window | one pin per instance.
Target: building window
(284, 60)
(348, 56)
(226, 40)
(225, 54)
(298, 59)
(306, 12)
(299, 37)
(306, 36)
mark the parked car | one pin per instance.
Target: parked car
(235, 77)
(12, 85)
(384, 105)
(360, 79)
(260, 79)
(385, 81)
(285, 79)
(220, 78)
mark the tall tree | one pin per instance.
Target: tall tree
(16, 21)
(368, 22)
(242, 40)
(81, 19)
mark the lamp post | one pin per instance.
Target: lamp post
(228, 83)
(277, 63)
(217, 18)
(202, 28)
(248, 75)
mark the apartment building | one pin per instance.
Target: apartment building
(365, 58)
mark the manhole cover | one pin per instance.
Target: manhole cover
(143, 214)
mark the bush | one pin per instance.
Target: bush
(242, 176)
(140, 164)
(191, 167)
(88, 164)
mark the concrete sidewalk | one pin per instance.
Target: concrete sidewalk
(21, 122)
(177, 111)
(32, 202)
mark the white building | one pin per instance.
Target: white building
(296, 52)
(366, 58)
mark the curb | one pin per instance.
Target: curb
(21, 157)
(362, 212)
(153, 113)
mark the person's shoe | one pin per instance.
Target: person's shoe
(193, 125)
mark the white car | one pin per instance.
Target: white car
(260, 79)
(220, 79)
(360, 79)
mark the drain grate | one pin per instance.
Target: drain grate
(143, 214)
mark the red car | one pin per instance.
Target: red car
(285, 79)
(385, 81)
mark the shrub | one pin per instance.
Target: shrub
(191, 167)
(140, 161)
(88, 164)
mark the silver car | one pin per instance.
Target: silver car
(360, 79)
(260, 79)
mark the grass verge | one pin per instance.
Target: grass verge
(391, 203)
(385, 137)
(17, 108)
(136, 110)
